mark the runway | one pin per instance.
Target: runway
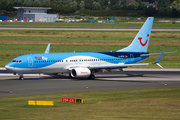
(130, 79)
(80, 28)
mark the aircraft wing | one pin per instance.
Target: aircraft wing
(116, 66)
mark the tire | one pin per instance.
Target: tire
(92, 77)
(21, 78)
(70, 76)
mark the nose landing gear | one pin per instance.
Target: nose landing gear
(21, 76)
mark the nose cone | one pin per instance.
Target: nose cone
(9, 67)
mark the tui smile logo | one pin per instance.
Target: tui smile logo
(143, 44)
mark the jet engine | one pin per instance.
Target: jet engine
(80, 72)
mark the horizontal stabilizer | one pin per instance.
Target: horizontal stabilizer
(142, 55)
(159, 65)
(158, 60)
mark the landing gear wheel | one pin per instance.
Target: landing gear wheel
(92, 77)
(21, 78)
(70, 76)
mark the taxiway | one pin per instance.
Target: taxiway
(10, 85)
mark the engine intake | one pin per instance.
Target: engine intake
(80, 72)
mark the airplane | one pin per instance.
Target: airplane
(85, 64)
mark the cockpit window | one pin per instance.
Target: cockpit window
(17, 61)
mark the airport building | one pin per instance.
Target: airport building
(35, 14)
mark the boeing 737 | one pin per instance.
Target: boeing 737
(85, 64)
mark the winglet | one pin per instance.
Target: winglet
(158, 60)
(48, 48)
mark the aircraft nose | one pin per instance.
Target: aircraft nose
(9, 67)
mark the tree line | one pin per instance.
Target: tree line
(166, 8)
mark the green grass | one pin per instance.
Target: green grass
(99, 25)
(10, 51)
(53, 35)
(48, 35)
(139, 104)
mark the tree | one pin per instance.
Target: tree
(53, 1)
(67, 2)
(17, 2)
(150, 1)
(113, 4)
(57, 2)
(45, 2)
(162, 4)
(176, 4)
(133, 3)
(130, 4)
(175, 12)
(28, 2)
(89, 4)
(4, 4)
(82, 4)
(74, 4)
(96, 6)
(123, 3)
(138, 1)
(104, 3)
(150, 11)
(142, 6)
(36, 3)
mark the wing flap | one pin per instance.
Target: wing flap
(116, 66)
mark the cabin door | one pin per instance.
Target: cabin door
(131, 58)
(30, 61)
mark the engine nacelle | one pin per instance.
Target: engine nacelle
(80, 72)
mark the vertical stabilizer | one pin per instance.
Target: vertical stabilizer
(141, 41)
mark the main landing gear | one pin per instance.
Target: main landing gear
(70, 76)
(92, 77)
(21, 78)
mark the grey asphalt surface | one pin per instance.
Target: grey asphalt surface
(133, 79)
(80, 28)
